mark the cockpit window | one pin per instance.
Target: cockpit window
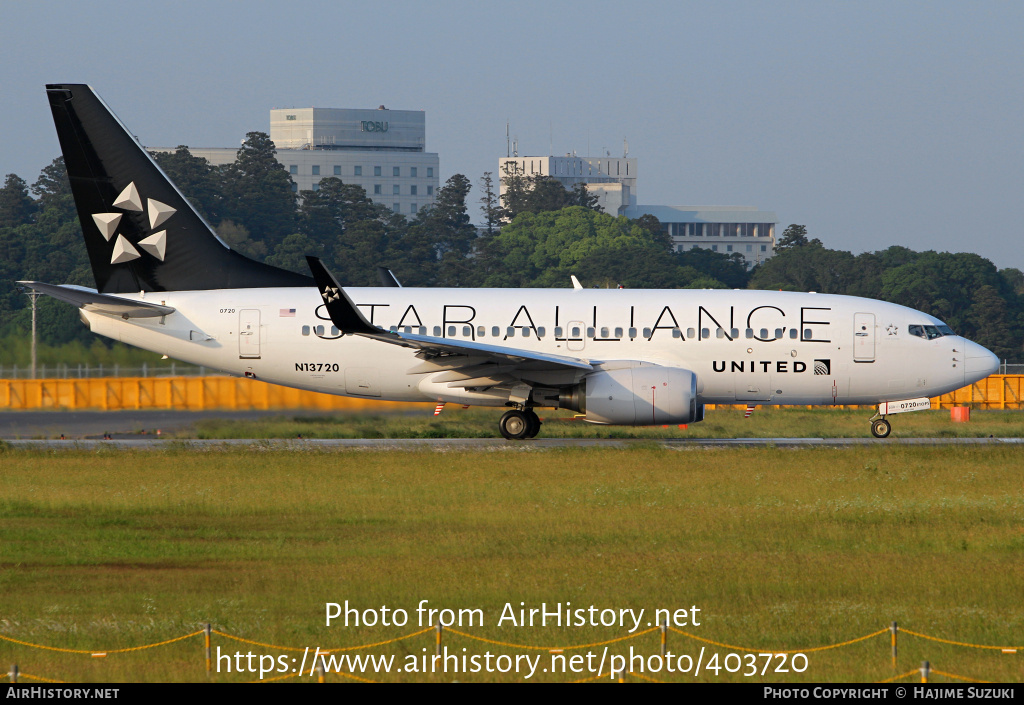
(930, 332)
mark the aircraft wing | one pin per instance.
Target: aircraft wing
(466, 363)
(91, 300)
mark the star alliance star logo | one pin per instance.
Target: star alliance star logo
(129, 200)
(330, 294)
(892, 329)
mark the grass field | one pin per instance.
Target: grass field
(780, 549)
(767, 422)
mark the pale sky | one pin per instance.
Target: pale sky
(872, 123)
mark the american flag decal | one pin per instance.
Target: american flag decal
(437, 409)
(287, 312)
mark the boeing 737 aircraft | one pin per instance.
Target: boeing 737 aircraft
(166, 283)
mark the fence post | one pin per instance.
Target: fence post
(925, 670)
(320, 674)
(894, 629)
(438, 651)
(664, 637)
(13, 673)
(619, 676)
(206, 637)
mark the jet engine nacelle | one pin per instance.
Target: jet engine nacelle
(647, 395)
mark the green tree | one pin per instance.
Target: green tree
(793, 236)
(446, 226)
(16, 206)
(515, 189)
(195, 178)
(258, 192)
(543, 249)
(491, 207)
(581, 196)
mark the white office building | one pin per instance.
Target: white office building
(382, 150)
(725, 229)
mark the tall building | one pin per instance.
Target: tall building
(382, 150)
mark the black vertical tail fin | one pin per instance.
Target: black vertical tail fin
(141, 233)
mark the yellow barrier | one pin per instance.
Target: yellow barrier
(180, 393)
(551, 649)
(235, 393)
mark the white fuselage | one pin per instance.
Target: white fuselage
(753, 347)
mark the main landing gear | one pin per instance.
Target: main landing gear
(880, 428)
(518, 424)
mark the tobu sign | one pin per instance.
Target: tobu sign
(371, 126)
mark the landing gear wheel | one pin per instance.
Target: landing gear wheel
(531, 417)
(515, 425)
(880, 428)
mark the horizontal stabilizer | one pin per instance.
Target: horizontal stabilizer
(90, 300)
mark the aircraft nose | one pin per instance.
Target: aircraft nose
(980, 363)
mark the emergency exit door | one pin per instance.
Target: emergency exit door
(863, 337)
(249, 333)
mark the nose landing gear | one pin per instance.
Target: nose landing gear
(880, 428)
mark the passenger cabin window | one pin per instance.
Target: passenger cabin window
(305, 330)
(750, 333)
(778, 333)
(319, 330)
(632, 332)
(676, 333)
(558, 331)
(690, 332)
(647, 333)
(510, 332)
(481, 331)
(451, 331)
(437, 331)
(618, 332)
(793, 333)
(495, 332)
(591, 333)
(705, 332)
(467, 331)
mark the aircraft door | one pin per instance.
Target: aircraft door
(863, 337)
(249, 333)
(575, 335)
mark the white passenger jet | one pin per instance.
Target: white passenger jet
(166, 283)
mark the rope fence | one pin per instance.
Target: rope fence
(894, 630)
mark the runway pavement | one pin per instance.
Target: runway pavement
(447, 444)
(92, 424)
